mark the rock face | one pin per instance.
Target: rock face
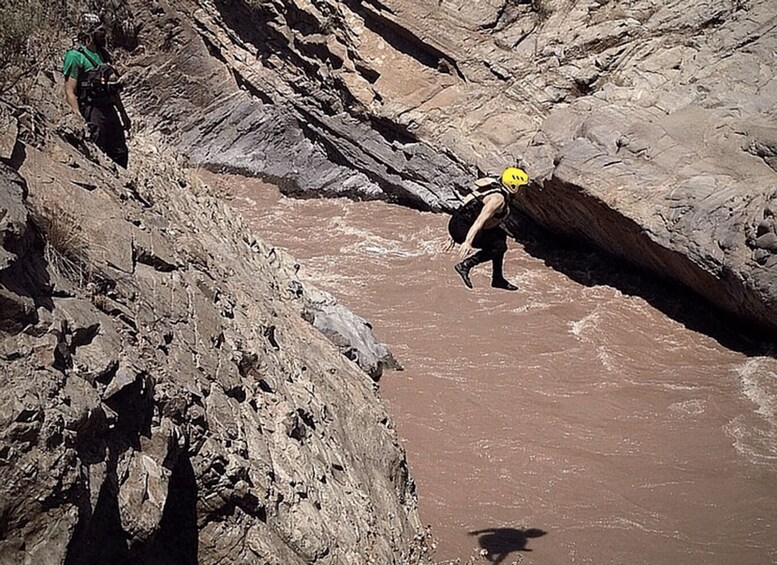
(649, 128)
(164, 401)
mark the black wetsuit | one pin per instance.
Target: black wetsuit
(491, 242)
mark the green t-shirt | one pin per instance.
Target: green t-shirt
(76, 62)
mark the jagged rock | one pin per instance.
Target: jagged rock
(648, 129)
(350, 333)
(8, 133)
(17, 239)
(144, 481)
(152, 250)
(13, 217)
(767, 241)
(93, 344)
(142, 495)
(123, 377)
(143, 407)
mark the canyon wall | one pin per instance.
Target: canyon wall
(649, 129)
(167, 392)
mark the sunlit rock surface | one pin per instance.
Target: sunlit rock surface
(164, 399)
(649, 128)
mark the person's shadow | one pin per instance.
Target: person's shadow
(501, 542)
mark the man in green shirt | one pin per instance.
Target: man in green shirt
(92, 90)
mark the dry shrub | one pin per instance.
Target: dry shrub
(67, 247)
(34, 35)
(29, 31)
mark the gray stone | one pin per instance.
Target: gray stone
(143, 413)
(647, 129)
(767, 241)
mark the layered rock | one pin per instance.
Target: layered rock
(648, 128)
(164, 399)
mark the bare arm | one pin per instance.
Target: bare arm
(71, 84)
(491, 205)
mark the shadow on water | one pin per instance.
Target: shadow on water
(591, 266)
(499, 543)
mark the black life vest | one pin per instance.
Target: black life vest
(463, 217)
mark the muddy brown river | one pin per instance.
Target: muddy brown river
(591, 417)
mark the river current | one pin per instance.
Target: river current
(594, 416)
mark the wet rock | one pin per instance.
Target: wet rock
(350, 333)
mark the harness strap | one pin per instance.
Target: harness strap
(480, 195)
(81, 49)
(92, 81)
(105, 56)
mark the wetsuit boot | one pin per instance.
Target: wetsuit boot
(466, 265)
(497, 277)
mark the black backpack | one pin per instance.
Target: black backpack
(99, 84)
(463, 217)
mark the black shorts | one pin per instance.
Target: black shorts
(460, 222)
(494, 239)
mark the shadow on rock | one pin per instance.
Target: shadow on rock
(499, 543)
(590, 266)
(176, 542)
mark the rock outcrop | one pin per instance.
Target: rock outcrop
(649, 128)
(164, 399)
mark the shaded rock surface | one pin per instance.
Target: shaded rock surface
(649, 128)
(164, 399)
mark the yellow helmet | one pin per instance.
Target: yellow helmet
(514, 178)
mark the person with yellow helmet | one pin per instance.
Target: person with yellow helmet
(478, 225)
